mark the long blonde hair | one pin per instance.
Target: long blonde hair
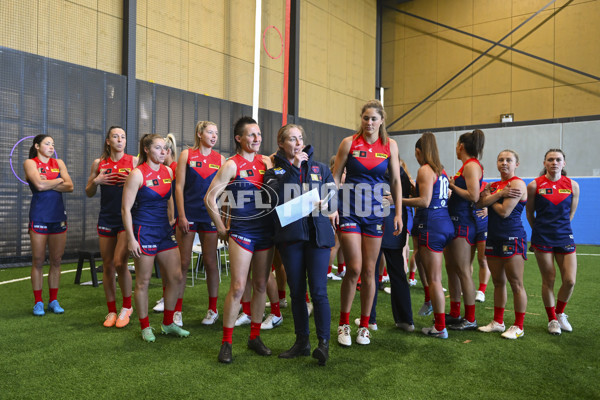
(376, 104)
(171, 144)
(200, 127)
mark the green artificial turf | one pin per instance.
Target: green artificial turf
(74, 356)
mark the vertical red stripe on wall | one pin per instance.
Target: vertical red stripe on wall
(286, 62)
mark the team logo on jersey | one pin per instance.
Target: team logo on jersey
(279, 171)
(359, 154)
(315, 177)
(42, 170)
(564, 191)
(152, 182)
(246, 173)
(315, 169)
(213, 166)
(196, 164)
(545, 191)
(381, 155)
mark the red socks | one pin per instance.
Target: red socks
(470, 312)
(482, 287)
(329, 269)
(307, 299)
(212, 304)
(440, 321)
(519, 317)
(412, 277)
(551, 313)
(145, 322)
(179, 304)
(275, 309)
(168, 317)
(37, 295)
(246, 308)
(344, 318)
(455, 309)
(254, 330)
(560, 306)
(53, 294)
(281, 294)
(112, 306)
(227, 335)
(341, 267)
(127, 302)
(499, 314)
(364, 321)
(428, 298)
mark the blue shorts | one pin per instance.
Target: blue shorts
(202, 227)
(506, 248)
(435, 240)
(48, 228)
(109, 230)
(464, 228)
(567, 249)
(481, 236)
(155, 239)
(252, 241)
(372, 227)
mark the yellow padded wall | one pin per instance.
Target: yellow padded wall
(424, 56)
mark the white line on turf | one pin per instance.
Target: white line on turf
(45, 275)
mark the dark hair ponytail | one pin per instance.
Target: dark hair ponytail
(33, 151)
(473, 143)
(106, 152)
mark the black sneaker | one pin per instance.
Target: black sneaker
(225, 353)
(464, 325)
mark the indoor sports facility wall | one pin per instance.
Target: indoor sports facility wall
(76, 105)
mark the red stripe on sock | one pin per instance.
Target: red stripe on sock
(227, 335)
(254, 330)
(212, 303)
(145, 322)
(168, 317)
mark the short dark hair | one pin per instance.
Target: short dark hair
(238, 128)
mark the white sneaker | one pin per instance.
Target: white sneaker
(309, 308)
(344, 335)
(178, 319)
(160, 305)
(492, 327)
(372, 327)
(341, 274)
(514, 332)
(554, 327)
(387, 290)
(425, 309)
(211, 317)
(412, 282)
(405, 326)
(480, 296)
(431, 331)
(385, 278)
(242, 319)
(364, 336)
(282, 304)
(271, 322)
(564, 322)
(333, 277)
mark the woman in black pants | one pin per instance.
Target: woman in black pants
(304, 244)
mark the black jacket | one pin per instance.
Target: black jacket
(310, 175)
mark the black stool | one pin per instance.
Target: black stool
(91, 256)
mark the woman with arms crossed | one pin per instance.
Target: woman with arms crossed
(553, 200)
(48, 180)
(465, 186)
(250, 234)
(506, 244)
(147, 211)
(109, 172)
(365, 156)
